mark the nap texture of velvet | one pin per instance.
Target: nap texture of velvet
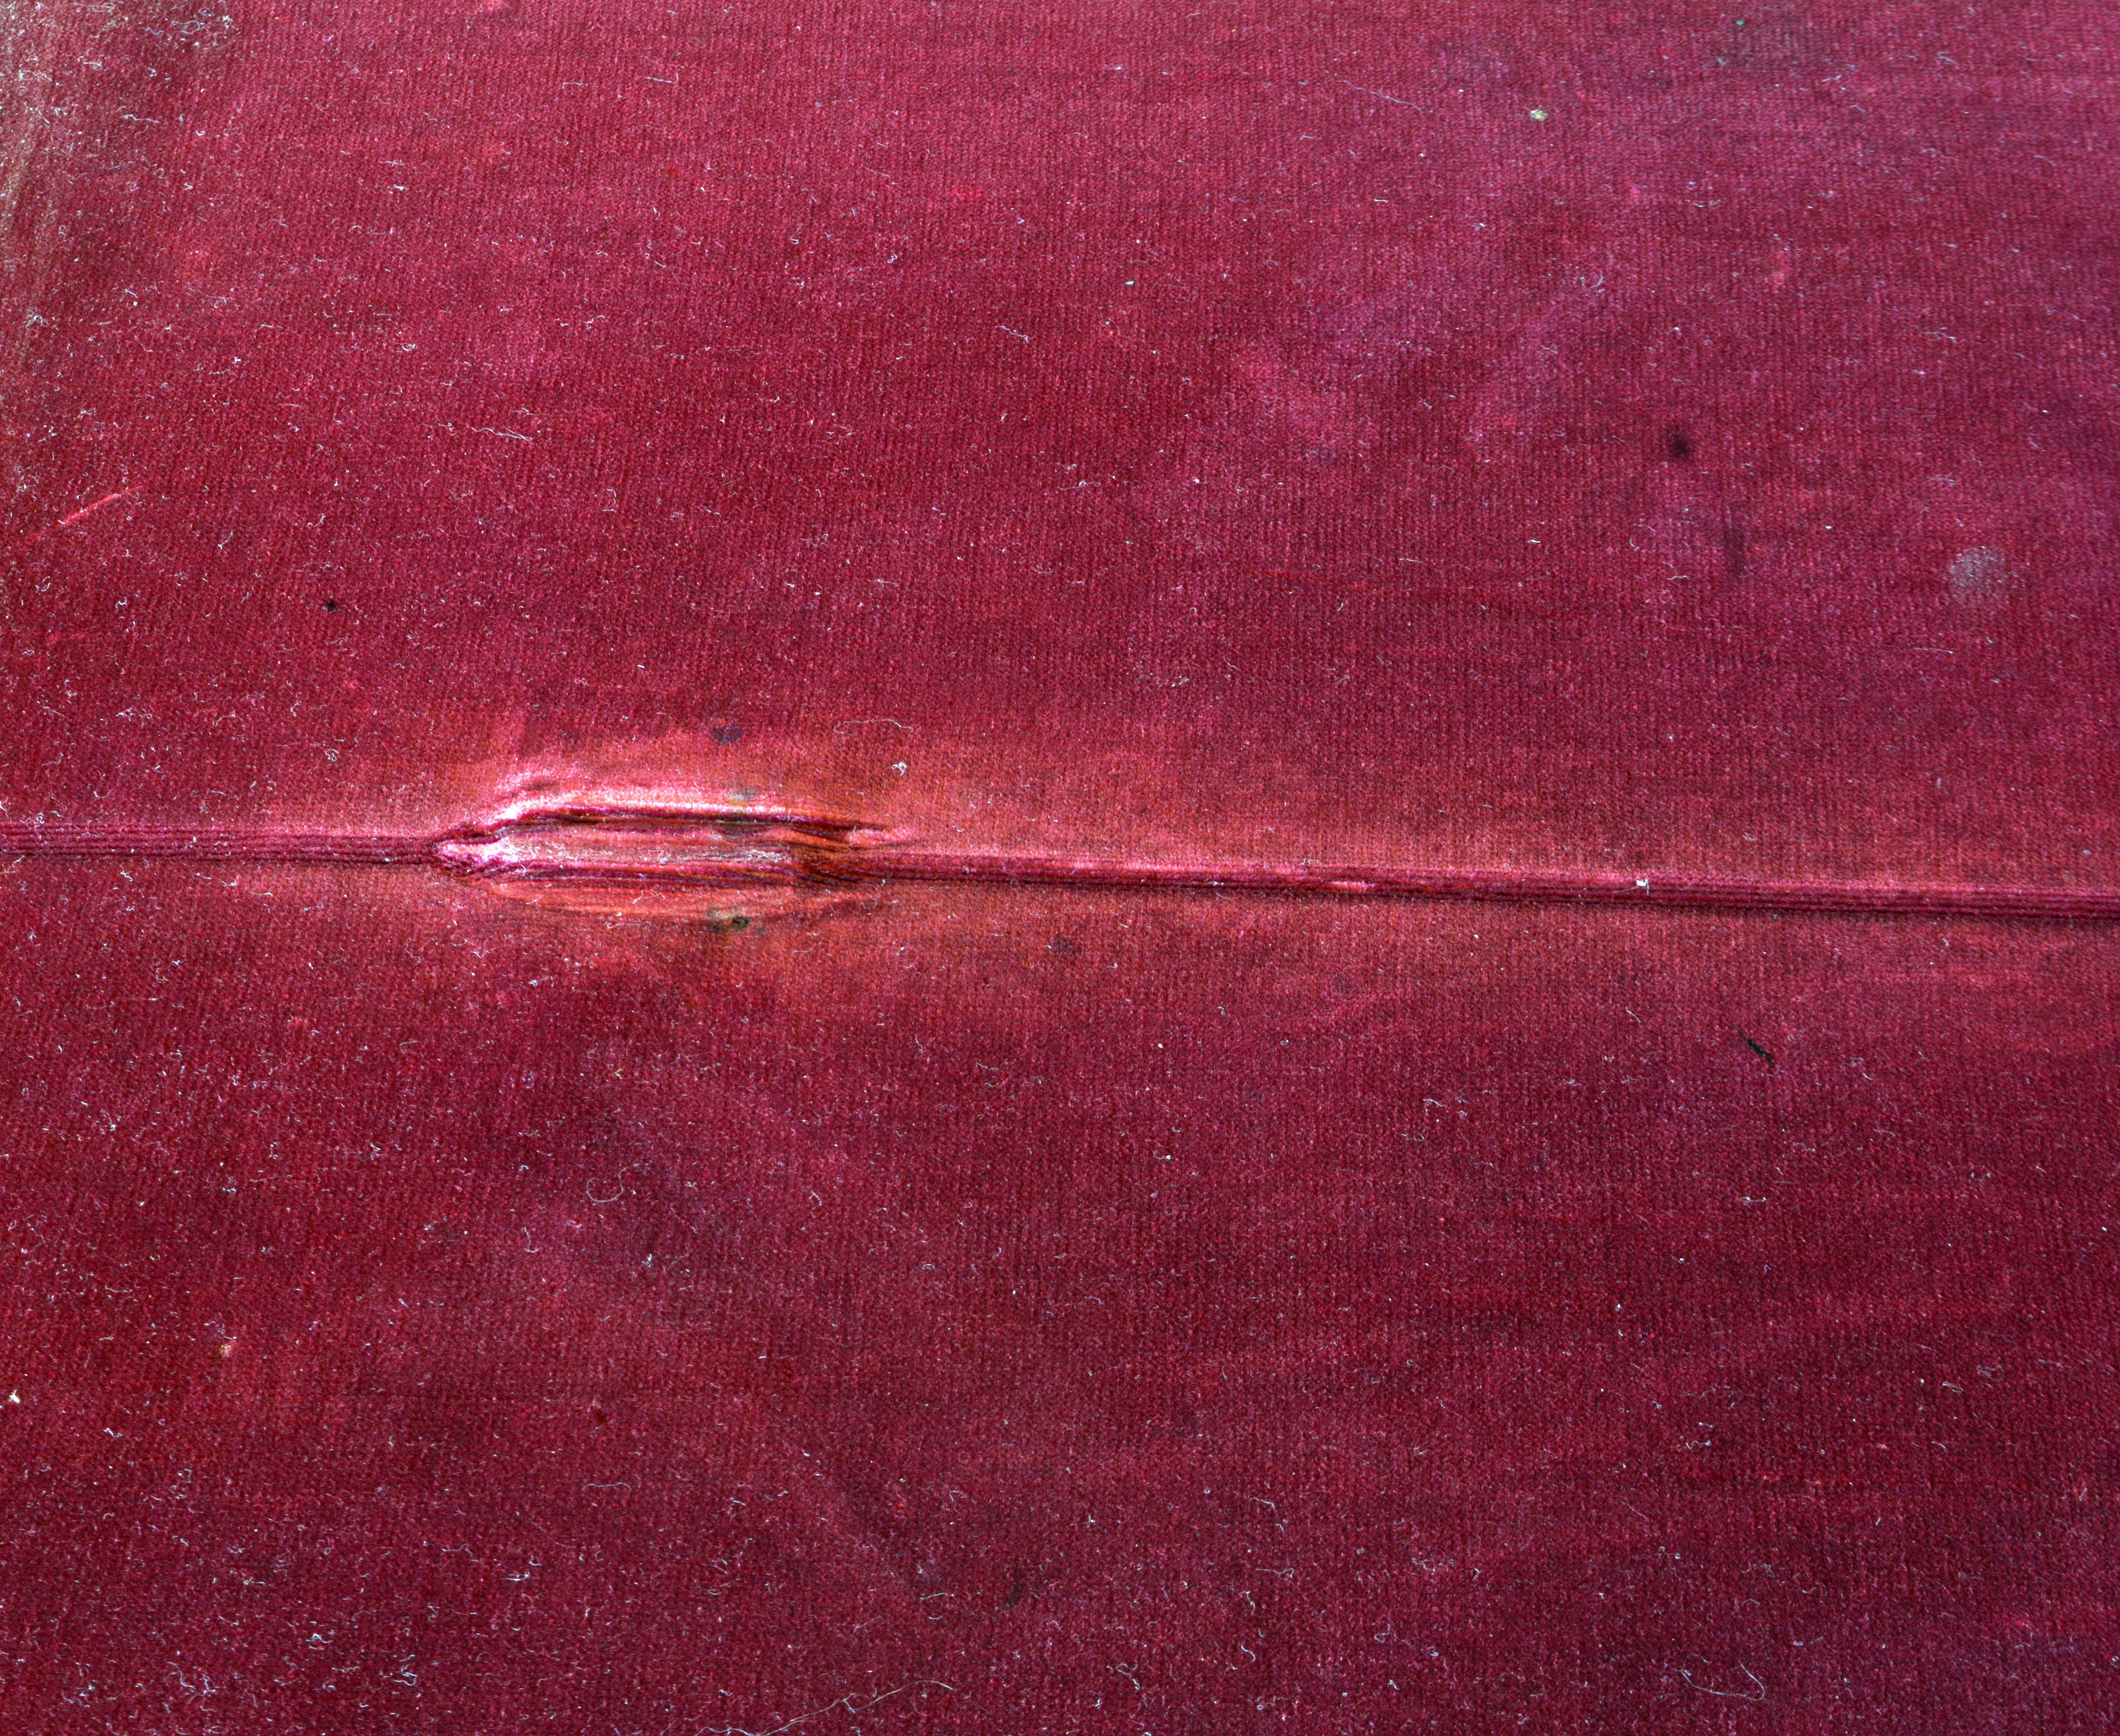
(1653, 441)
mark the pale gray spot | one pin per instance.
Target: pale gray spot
(1979, 574)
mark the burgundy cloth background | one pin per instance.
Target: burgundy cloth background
(1664, 438)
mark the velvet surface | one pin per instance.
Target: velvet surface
(1651, 440)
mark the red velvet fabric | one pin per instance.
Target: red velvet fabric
(1658, 441)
